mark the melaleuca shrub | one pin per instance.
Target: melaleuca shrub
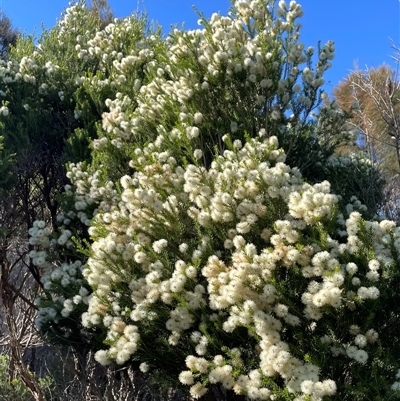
(243, 274)
(213, 264)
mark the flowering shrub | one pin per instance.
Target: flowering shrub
(206, 259)
(244, 273)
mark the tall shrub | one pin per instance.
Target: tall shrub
(213, 265)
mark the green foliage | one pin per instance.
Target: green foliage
(352, 175)
(15, 389)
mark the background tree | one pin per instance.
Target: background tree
(8, 35)
(376, 94)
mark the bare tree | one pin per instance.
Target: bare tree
(374, 99)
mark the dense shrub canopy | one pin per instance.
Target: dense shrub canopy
(209, 233)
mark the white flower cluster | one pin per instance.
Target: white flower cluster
(88, 196)
(63, 279)
(226, 46)
(68, 276)
(40, 239)
(232, 198)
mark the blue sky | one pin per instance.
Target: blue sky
(360, 29)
